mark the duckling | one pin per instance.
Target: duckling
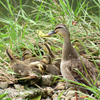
(26, 54)
(71, 61)
(19, 67)
(50, 68)
(51, 58)
(27, 57)
(16, 56)
(37, 67)
(47, 59)
(47, 48)
(57, 62)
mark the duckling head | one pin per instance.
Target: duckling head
(26, 54)
(42, 67)
(45, 47)
(46, 59)
(60, 29)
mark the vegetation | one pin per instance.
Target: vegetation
(19, 29)
(4, 95)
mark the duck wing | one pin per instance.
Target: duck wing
(82, 70)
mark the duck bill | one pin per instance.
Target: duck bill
(50, 33)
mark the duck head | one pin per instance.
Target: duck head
(59, 29)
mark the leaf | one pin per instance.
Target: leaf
(3, 95)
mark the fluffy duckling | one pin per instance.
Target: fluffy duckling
(57, 62)
(32, 62)
(16, 56)
(37, 67)
(47, 48)
(71, 61)
(26, 54)
(19, 67)
(47, 59)
(27, 57)
(51, 58)
(50, 68)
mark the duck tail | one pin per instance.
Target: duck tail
(8, 53)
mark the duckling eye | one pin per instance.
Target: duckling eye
(44, 58)
(25, 54)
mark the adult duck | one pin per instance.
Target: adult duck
(71, 62)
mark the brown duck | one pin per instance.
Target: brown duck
(71, 61)
(19, 67)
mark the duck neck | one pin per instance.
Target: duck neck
(68, 52)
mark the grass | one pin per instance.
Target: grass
(4, 95)
(19, 29)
